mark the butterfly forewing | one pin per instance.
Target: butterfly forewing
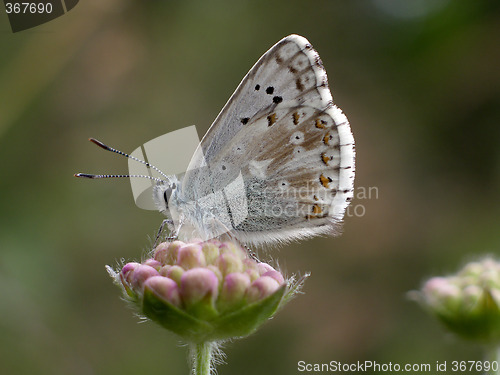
(293, 149)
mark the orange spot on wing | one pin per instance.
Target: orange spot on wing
(325, 158)
(316, 209)
(271, 119)
(296, 118)
(326, 139)
(320, 124)
(325, 181)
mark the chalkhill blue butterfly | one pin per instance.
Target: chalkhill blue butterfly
(276, 165)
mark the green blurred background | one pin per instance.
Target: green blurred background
(420, 83)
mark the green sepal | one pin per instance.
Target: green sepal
(131, 295)
(172, 318)
(231, 324)
(481, 322)
(247, 319)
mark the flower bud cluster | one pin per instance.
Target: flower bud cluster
(468, 302)
(204, 290)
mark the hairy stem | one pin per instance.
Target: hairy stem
(201, 354)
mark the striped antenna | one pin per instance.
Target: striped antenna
(87, 175)
(107, 148)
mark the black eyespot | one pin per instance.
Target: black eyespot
(277, 99)
(257, 87)
(270, 90)
(245, 120)
(223, 167)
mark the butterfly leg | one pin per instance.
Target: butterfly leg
(170, 224)
(251, 253)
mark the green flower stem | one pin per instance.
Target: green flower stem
(201, 353)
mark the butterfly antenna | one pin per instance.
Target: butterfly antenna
(107, 148)
(87, 175)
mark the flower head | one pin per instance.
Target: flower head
(468, 303)
(204, 290)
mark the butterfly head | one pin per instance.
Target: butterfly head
(165, 194)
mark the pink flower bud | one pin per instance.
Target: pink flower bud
(175, 273)
(234, 289)
(440, 293)
(165, 270)
(217, 273)
(141, 274)
(228, 263)
(441, 287)
(128, 271)
(261, 288)
(251, 269)
(197, 284)
(250, 264)
(276, 276)
(164, 288)
(264, 267)
(152, 263)
(211, 251)
(166, 252)
(252, 273)
(191, 256)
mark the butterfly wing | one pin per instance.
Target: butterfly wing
(280, 155)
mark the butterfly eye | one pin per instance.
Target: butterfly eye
(166, 195)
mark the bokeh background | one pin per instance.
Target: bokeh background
(420, 83)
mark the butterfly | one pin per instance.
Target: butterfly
(277, 164)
